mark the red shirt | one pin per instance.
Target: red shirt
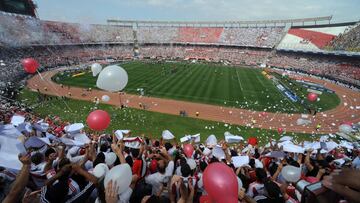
(136, 168)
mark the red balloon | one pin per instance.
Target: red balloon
(312, 97)
(280, 130)
(98, 120)
(253, 141)
(30, 65)
(220, 183)
(188, 150)
(205, 199)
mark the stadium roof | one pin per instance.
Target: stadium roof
(302, 21)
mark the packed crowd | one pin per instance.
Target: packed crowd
(257, 37)
(157, 35)
(24, 31)
(252, 37)
(60, 162)
(346, 70)
(207, 53)
(349, 41)
(54, 56)
(336, 68)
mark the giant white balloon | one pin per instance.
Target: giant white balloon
(96, 69)
(345, 128)
(291, 173)
(105, 98)
(122, 175)
(112, 78)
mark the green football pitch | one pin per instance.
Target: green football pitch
(206, 83)
(144, 122)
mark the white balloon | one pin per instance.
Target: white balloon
(122, 175)
(105, 98)
(112, 78)
(96, 69)
(344, 128)
(291, 173)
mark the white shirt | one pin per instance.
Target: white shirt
(157, 179)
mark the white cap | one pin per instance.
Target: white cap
(74, 128)
(207, 151)
(133, 142)
(34, 142)
(119, 135)
(100, 170)
(346, 145)
(218, 152)
(293, 148)
(211, 141)
(110, 159)
(82, 137)
(324, 138)
(186, 138)
(167, 135)
(239, 161)
(196, 138)
(233, 138)
(285, 138)
(17, 120)
(331, 145)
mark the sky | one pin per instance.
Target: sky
(98, 11)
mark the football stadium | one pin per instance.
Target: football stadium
(209, 111)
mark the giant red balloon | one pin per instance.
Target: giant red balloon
(220, 183)
(98, 120)
(188, 150)
(253, 141)
(312, 97)
(30, 65)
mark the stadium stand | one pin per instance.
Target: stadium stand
(205, 35)
(255, 37)
(157, 34)
(178, 43)
(311, 37)
(348, 41)
(32, 31)
(336, 68)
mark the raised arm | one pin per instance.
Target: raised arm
(307, 160)
(118, 148)
(20, 182)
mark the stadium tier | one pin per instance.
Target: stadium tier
(317, 38)
(237, 45)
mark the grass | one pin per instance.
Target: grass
(327, 100)
(144, 122)
(204, 83)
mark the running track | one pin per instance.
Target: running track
(348, 110)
